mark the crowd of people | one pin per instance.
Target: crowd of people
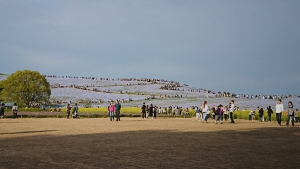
(219, 113)
(166, 85)
(222, 113)
(247, 96)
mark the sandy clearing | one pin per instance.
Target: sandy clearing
(140, 143)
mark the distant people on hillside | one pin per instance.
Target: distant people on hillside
(290, 114)
(279, 109)
(15, 111)
(118, 110)
(2, 111)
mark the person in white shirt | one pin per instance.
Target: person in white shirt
(231, 110)
(204, 109)
(279, 109)
(15, 110)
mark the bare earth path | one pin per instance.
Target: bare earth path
(153, 143)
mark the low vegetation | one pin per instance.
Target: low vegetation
(26, 88)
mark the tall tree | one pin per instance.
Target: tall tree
(26, 88)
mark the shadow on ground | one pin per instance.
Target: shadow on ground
(264, 148)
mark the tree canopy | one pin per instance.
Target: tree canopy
(27, 88)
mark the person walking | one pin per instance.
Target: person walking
(290, 114)
(261, 114)
(143, 108)
(111, 110)
(204, 109)
(226, 113)
(118, 110)
(151, 110)
(197, 113)
(147, 111)
(270, 112)
(75, 111)
(219, 114)
(279, 109)
(154, 112)
(231, 110)
(250, 115)
(253, 115)
(69, 107)
(2, 111)
(296, 114)
(15, 111)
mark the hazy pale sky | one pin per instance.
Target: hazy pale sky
(249, 46)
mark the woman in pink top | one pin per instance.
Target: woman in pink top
(111, 110)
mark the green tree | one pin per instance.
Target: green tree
(26, 88)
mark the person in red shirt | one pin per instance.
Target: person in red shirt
(111, 110)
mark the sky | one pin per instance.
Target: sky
(242, 47)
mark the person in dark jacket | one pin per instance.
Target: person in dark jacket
(219, 114)
(290, 114)
(261, 114)
(75, 111)
(2, 111)
(151, 110)
(69, 107)
(154, 112)
(118, 110)
(296, 115)
(270, 112)
(143, 108)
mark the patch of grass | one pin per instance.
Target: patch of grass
(244, 114)
(192, 99)
(32, 110)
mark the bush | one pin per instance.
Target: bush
(244, 114)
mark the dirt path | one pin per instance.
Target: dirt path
(137, 143)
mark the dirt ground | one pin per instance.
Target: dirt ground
(153, 143)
